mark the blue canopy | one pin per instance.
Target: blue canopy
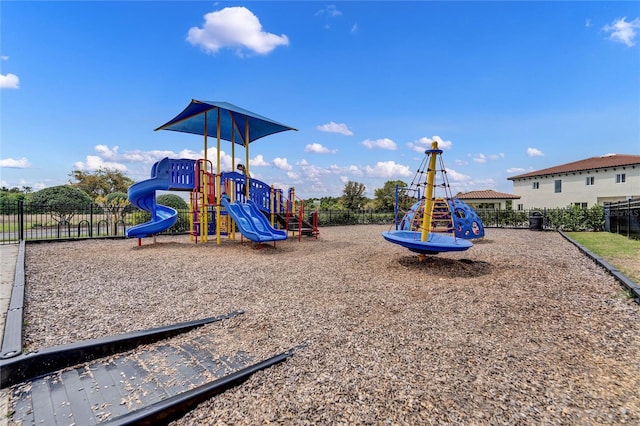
(199, 115)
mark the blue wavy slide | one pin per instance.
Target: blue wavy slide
(143, 195)
(252, 223)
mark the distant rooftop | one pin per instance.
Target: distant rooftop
(486, 194)
(603, 162)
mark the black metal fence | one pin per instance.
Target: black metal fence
(24, 221)
(623, 218)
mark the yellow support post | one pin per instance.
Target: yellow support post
(204, 211)
(246, 154)
(428, 204)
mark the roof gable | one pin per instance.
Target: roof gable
(486, 194)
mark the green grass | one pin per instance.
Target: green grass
(618, 250)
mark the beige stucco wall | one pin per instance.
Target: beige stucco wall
(575, 189)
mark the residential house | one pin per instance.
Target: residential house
(584, 183)
(488, 199)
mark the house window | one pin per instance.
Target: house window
(520, 207)
(581, 205)
(536, 185)
(621, 178)
(589, 180)
(557, 185)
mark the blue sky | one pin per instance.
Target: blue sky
(505, 87)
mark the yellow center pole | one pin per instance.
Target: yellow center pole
(428, 204)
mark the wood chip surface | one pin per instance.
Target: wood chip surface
(520, 329)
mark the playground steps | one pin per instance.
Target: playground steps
(294, 226)
(103, 390)
(441, 220)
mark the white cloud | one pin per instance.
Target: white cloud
(354, 170)
(354, 28)
(384, 143)
(4, 58)
(311, 171)
(587, 23)
(424, 143)
(329, 10)
(10, 163)
(258, 161)
(106, 152)
(387, 169)
(282, 163)
(109, 158)
(9, 81)
(460, 162)
(234, 27)
(533, 152)
(319, 149)
(622, 31)
(515, 170)
(482, 158)
(332, 127)
(454, 176)
(94, 162)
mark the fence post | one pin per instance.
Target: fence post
(629, 218)
(91, 220)
(20, 220)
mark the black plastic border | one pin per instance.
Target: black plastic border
(632, 286)
(165, 411)
(34, 364)
(12, 336)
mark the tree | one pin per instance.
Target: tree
(101, 182)
(173, 201)
(326, 203)
(62, 202)
(9, 199)
(353, 195)
(115, 205)
(176, 202)
(385, 197)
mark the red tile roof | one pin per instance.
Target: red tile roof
(603, 162)
(486, 194)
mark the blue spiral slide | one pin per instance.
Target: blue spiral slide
(166, 174)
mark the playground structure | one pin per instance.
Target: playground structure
(257, 210)
(433, 224)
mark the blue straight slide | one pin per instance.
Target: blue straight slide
(252, 223)
(143, 196)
